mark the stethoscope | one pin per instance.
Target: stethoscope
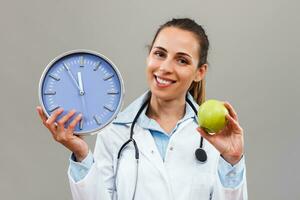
(200, 153)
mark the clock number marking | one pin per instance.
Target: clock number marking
(97, 120)
(54, 77)
(54, 108)
(50, 93)
(108, 77)
(81, 124)
(97, 66)
(107, 108)
(113, 93)
(81, 61)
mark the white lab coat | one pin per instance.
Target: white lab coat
(179, 177)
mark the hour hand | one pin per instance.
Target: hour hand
(80, 83)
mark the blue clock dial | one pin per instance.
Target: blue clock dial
(87, 82)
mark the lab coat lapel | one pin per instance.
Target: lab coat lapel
(148, 148)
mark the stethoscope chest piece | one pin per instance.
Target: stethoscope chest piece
(201, 155)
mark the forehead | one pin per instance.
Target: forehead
(177, 40)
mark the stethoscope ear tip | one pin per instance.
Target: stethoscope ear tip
(201, 155)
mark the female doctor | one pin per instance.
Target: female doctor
(158, 162)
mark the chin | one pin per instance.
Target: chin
(163, 95)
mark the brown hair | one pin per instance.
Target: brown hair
(197, 89)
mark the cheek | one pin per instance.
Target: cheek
(187, 77)
(152, 64)
(149, 71)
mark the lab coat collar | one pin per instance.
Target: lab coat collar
(143, 138)
(127, 115)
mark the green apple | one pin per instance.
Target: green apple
(211, 116)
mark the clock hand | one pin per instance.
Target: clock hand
(81, 91)
(85, 110)
(71, 75)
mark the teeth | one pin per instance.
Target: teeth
(162, 81)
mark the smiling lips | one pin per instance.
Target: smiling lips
(163, 82)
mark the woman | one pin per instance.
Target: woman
(166, 133)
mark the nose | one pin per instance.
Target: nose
(166, 66)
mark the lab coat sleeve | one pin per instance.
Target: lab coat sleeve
(98, 184)
(231, 175)
(226, 192)
(79, 170)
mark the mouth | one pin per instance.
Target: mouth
(163, 82)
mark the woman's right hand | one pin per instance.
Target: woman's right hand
(63, 135)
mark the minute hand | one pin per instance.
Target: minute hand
(71, 75)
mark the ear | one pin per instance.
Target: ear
(200, 73)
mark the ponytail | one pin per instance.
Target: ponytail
(197, 90)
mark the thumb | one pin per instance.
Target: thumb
(205, 135)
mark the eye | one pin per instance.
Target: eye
(159, 54)
(182, 61)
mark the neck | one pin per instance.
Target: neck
(169, 110)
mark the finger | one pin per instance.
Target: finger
(233, 123)
(64, 119)
(73, 124)
(41, 114)
(231, 110)
(50, 121)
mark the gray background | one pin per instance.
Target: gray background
(254, 64)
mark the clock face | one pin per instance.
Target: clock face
(85, 81)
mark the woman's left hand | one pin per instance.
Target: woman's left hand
(229, 141)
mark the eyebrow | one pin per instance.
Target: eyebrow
(180, 53)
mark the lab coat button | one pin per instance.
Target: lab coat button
(152, 151)
(171, 148)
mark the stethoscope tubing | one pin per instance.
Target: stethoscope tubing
(199, 153)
